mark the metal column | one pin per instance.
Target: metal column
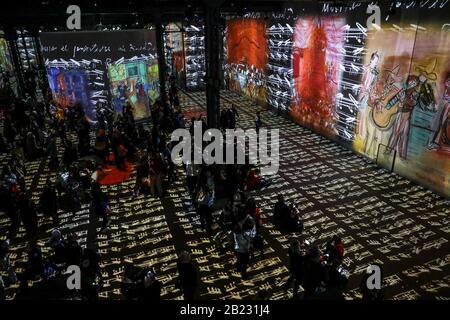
(213, 67)
(161, 57)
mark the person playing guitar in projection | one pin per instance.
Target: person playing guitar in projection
(409, 98)
(441, 125)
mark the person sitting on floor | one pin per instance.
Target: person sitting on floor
(281, 211)
(255, 180)
(295, 223)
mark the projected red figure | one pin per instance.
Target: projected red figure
(247, 57)
(317, 56)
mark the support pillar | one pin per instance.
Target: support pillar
(161, 57)
(11, 37)
(213, 67)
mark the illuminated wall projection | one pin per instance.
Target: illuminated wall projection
(174, 53)
(194, 46)
(279, 81)
(70, 86)
(247, 57)
(318, 42)
(102, 70)
(6, 65)
(382, 91)
(5, 59)
(405, 99)
(134, 81)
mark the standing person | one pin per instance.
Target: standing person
(232, 114)
(295, 267)
(244, 233)
(204, 202)
(100, 204)
(156, 172)
(9, 205)
(52, 151)
(151, 288)
(223, 120)
(258, 121)
(192, 172)
(170, 165)
(28, 215)
(187, 276)
(339, 247)
(102, 145)
(315, 274)
(48, 202)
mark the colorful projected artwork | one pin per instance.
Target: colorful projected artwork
(136, 82)
(127, 84)
(153, 80)
(5, 59)
(247, 57)
(70, 86)
(404, 103)
(102, 70)
(318, 42)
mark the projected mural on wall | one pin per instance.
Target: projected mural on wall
(247, 57)
(383, 92)
(404, 101)
(103, 70)
(134, 82)
(5, 59)
(6, 66)
(70, 87)
(317, 57)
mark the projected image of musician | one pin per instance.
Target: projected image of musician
(409, 97)
(441, 124)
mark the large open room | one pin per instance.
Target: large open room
(225, 150)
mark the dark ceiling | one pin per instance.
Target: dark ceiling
(48, 14)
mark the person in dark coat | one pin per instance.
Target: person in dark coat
(295, 267)
(151, 288)
(315, 274)
(100, 204)
(48, 202)
(281, 211)
(187, 276)
(28, 214)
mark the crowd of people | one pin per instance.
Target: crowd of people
(31, 130)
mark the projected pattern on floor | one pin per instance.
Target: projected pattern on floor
(381, 217)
